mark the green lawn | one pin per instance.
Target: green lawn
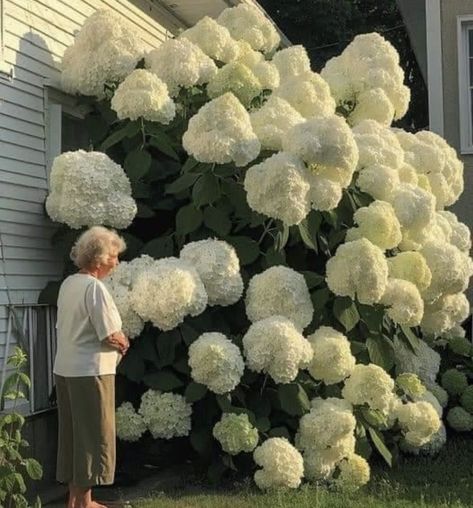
(443, 481)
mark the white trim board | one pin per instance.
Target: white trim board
(464, 23)
(434, 65)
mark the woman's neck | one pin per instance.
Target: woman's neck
(93, 273)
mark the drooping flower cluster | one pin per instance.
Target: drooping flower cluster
(367, 79)
(106, 50)
(221, 132)
(216, 362)
(354, 473)
(274, 346)
(282, 465)
(235, 433)
(279, 290)
(167, 292)
(333, 360)
(130, 425)
(166, 415)
(143, 94)
(218, 266)
(87, 189)
(404, 302)
(419, 421)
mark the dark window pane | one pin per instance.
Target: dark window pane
(471, 71)
(73, 133)
(470, 42)
(471, 116)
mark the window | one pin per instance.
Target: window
(465, 80)
(6, 70)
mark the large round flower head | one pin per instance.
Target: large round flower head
(378, 223)
(216, 362)
(332, 361)
(377, 145)
(88, 189)
(236, 434)
(126, 272)
(454, 381)
(143, 94)
(460, 235)
(358, 269)
(106, 49)
(404, 302)
(431, 156)
(218, 266)
(451, 269)
(221, 132)
(369, 384)
(248, 23)
(467, 399)
(377, 67)
(237, 78)
(410, 266)
(460, 420)
(272, 122)
(411, 385)
(445, 313)
(283, 466)
(431, 448)
(248, 56)
(425, 362)
(130, 425)
(372, 104)
(419, 421)
(279, 290)
(324, 194)
(195, 67)
(273, 345)
(213, 39)
(167, 292)
(308, 93)
(292, 61)
(413, 206)
(132, 324)
(278, 188)
(354, 473)
(166, 415)
(327, 146)
(325, 426)
(378, 181)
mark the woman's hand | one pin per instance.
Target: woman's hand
(119, 341)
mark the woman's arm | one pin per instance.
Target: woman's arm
(119, 341)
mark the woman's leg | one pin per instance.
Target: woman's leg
(83, 498)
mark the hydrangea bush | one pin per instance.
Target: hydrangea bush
(291, 269)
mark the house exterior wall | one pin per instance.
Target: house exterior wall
(450, 9)
(34, 35)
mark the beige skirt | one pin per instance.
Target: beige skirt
(86, 431)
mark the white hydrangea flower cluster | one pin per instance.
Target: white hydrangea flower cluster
(129, 424)
(410, 266)
(404, 302)
(374, 86)
(333, 360)
(326, 436)
(87, 189)
(106, 49)
(213, 39)
(166, 415)
(274, 345)
(378, 223)
(216, 362)
(282, 291)
(167, 292)
(371, 385)
(419, 422)
(458, 234)
(354, 473)
(359, 269)
(278, 187)
(236, 434)
(431, 448)
(221, 132)
(218, 266)
(445, 314)
(282, 464)
(195, 67)
(120, 283)
(248, 23)
(143, 94)
(292, 61)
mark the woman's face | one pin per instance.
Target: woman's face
(111, 262)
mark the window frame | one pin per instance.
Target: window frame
(6, 70)
(464, 26)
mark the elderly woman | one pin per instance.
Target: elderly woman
(90, 345)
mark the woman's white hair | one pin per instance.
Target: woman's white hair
(94, 246)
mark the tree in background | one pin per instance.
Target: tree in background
(325, 28)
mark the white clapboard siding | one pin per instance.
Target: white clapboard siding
(35, 35)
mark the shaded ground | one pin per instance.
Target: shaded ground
(443, 481)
